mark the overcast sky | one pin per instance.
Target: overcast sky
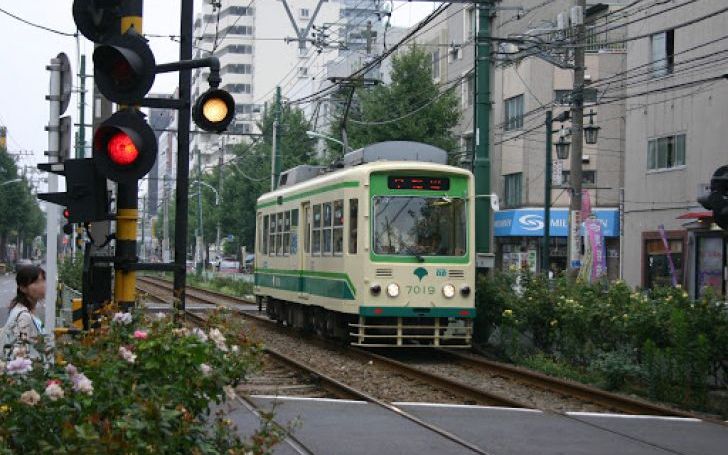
(26, 51)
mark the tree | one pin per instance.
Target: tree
(411, 108)
(22, 218)
(245, 178)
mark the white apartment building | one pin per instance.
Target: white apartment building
(258, 49)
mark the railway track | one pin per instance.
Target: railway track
(452, 367)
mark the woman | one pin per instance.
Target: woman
(22, 328)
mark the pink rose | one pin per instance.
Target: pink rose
(140, 335)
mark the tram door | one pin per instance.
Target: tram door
(304, 250)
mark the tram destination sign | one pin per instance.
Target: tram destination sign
(419, 183)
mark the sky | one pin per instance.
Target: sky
(26, 51)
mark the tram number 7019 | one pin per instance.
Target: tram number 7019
(417, 290)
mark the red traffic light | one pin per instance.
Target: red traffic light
(66, 213)
(124, 68)
(121, 149)
(124, 146)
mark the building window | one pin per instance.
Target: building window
(239, 88)
(471, 22)
(563, 97)
(236, 49)
(304, 13)
(513, 189)
(237, 68)
(514, 113)
(657, 264)
(587, 177)
(666, 152)
(468, 95)
(237, 11)
(302, 71)
(237, 30)
(663, 53)
(436, 64)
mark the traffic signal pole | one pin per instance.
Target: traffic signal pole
(127, 204)
(183, 158)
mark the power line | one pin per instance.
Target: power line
(42, 27)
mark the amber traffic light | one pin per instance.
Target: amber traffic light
(214, 110)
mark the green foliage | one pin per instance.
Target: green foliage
(225, 285)
(411, 89)
(21, 218)
(70, 271)
(621, 336)
(145, 387)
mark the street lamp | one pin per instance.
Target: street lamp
(591, 131)
(562, 147)
(314, 134)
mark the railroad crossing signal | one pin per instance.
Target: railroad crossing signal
(717, 199)
(124, 68)
(85, 198)
(124, 146)
(214, 110)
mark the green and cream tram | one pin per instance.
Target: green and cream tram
(380, 251)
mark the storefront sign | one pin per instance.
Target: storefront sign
(530, 222)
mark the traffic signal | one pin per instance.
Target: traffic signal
(717, 199)
(124, 68)
(97, 20)
(67, 227)
(85, 198)
(214, 110)
(124, 146)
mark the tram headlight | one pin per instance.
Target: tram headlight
(393, 289)
(448, 291)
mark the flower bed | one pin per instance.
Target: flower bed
(658, 343)
(136, 385)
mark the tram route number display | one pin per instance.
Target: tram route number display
(419, 183)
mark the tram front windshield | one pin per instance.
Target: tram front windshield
(420, 226)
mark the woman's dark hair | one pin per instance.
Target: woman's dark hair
(25, 276)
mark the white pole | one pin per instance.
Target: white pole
(52, 219)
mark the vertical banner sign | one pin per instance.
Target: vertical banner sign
(666, 244)
(557, 172)
(593, 228)
(585, 204)
(575, 238)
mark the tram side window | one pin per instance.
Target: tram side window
(307, 229)
(272, 236)
(326, 231)
(316, 231)
(264, 236)
(353, 219)
(294, 231)
(279, 236)
(339, 226)
(286, 233)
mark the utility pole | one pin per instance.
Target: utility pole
(275, 151)
(165, 223)
(577, 124)
(220, 162)
(144, 219)
(52, 218)
(481, 133)
(546, 252)
(200, 236)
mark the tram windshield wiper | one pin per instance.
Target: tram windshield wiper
(410, 250)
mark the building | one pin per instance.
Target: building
(524, 85)
(258, 48)
(675, 138)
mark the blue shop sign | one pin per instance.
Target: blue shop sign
(530, 222)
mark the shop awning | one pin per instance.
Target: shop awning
(695, 215)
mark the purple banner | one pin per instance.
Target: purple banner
(585, 204)
(666, 244)
(596, 241)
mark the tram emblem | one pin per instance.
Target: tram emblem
(420, 273)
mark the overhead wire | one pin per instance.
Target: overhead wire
(33, 24)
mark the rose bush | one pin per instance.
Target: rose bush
(136, 385)
(659, 340)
